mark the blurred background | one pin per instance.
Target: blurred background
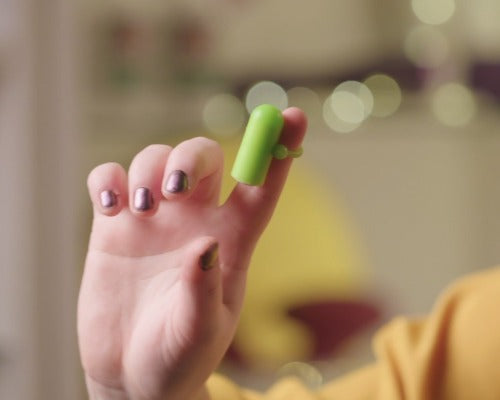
(395, 196)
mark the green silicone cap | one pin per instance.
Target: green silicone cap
(256, 150)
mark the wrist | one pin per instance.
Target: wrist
(98, 391)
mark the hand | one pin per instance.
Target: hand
(166, 266)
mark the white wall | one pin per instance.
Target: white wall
(39, 181)
(424, 198)
(17, 192)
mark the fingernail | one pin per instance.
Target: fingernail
(108, 199)
(143, 200)
(177, 182)
(208, 260)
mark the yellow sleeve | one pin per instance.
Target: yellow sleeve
(451, 355)
(221, 388)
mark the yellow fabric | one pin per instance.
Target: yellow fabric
(453, 354)
(267, 336)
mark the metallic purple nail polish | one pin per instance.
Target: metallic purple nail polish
(143, 199)
(177, 182)
(108, 198)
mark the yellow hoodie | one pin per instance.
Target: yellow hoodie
(453, 354)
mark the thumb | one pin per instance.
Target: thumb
(253, 206)
(201, 285)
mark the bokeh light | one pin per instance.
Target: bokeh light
(266, 92)
(307, 373)
(224, 115)
(454, 104)
(334, 122)
(426, 46)
(346, 98)
(433, 12)
(386, 93)
(348, 106)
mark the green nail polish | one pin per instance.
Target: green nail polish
(208, 260)
(256, 150)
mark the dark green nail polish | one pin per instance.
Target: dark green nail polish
(208, 260)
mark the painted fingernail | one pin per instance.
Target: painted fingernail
(208, 260)
(143, 199)
(177, 182)
(108, 199)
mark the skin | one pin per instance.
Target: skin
(154, 320)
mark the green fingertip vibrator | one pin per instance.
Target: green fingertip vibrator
(259, 145)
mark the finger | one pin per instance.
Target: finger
(194, 170)
(200, 277)
(107, 185)
(144, 179)
(253, 205)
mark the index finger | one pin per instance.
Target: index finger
(251, 207)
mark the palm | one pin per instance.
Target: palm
(150, 307)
